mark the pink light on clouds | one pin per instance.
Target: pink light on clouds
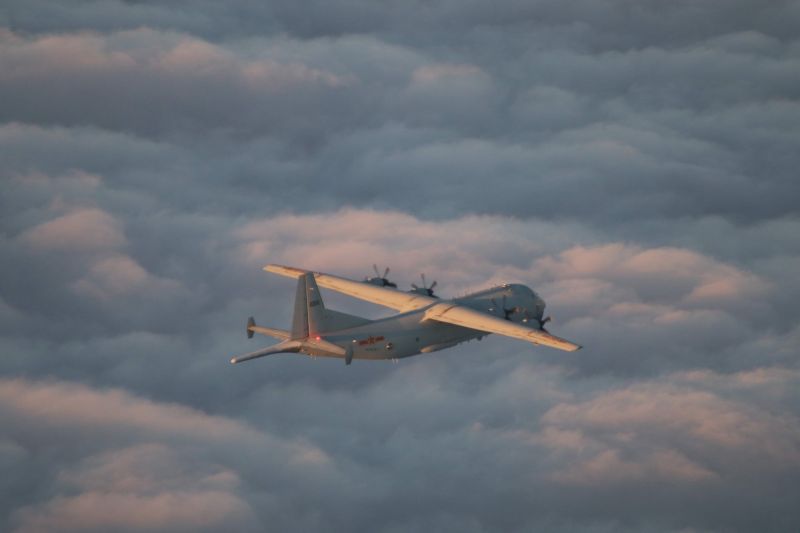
(666, 409)
(681, 429)
(88, 229)
(68, 405)
(159, 54)
(676, 273)
(119, 275)
(467, 249)
(86, 51)
(183, 510)
(608, 468)
(126, 462)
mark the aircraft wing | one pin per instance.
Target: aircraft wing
(385, 296)
(459, 315)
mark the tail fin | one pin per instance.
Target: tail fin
(309, 311)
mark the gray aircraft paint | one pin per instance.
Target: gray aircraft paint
(318, 331)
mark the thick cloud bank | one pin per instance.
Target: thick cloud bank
(634, 162)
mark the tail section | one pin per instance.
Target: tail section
(310, 321)
(307, 323)
(310, 316)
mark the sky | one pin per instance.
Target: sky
(635, 162)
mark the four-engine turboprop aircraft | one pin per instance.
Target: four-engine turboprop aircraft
(424, 324)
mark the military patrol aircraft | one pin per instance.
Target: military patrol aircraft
(425, 322)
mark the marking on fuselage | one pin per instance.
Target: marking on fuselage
(370, 340)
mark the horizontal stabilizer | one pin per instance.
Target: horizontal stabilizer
(281, 347)
(281, 334)
(271, 332)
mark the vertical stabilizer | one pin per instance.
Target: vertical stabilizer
(316, 309)
(309, 311)
(300, 318)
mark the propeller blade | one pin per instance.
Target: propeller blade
(432, 285)
(424, 283)
(414, 286)
(386, 272)
(375, 268)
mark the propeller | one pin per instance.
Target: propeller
(380, 281)
(424, 290)
(507, 311)
(527, 317)
(543, 321)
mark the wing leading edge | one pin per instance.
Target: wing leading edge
(459, 315)
(385, 296)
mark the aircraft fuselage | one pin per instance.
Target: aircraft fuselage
(410, 334)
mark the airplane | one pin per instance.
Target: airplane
(424, 323)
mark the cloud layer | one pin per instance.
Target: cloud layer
(635, 164)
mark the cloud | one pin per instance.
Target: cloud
(119, 275)
(79, 230)
(659, 274)
(101, 511)
(142, 487)
(81, 408)
(674, 436)
(163, 78)
(80, 261)
(148, 465)
(666, 410)
(636, 167)
(462, 248)
(608, 468)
